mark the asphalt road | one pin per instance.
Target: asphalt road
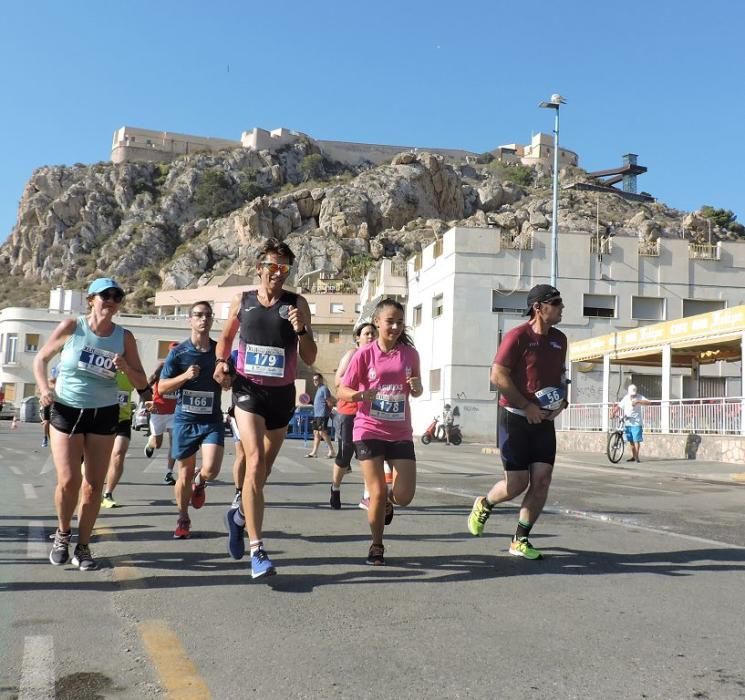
(640, 594)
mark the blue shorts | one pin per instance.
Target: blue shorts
(633, 433)
(189, 437)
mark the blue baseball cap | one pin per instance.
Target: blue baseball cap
(101, 284)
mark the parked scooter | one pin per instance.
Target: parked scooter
(435, 432)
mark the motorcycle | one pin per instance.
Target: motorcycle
(435, 432)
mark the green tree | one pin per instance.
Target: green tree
(215, 195)
(721, 217)
(519, 174)
(312, 167)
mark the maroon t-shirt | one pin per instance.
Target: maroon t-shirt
(535, 361)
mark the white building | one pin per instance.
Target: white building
(470, 287)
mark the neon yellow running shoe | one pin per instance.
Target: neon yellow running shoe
(479, 515)
(523, 548)
(108, 501)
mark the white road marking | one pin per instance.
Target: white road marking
(16, 471)
(29, 491)
(36, 546)
(157, 465)
(37, 669)
(48, 466)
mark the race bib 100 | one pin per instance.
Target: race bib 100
(199, 402)
(391, 407)
(264, 361)
(551, 398)
(96, 361)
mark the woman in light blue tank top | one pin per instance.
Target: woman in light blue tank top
(84, 410)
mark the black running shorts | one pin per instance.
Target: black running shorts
(276, 404)
(389, 450)
(84, 421)
(522, 444)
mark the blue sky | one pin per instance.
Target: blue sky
(662, 79)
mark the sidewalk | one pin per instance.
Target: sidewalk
(696, 470)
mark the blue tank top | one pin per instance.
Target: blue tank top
(87, 376)
(198, 400)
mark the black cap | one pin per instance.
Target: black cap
(540, 294)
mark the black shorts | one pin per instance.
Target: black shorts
(84, 421)
(344, 427)
(124, 429)
(45, 412)
(321, 424)
(522, 444)
(389, 450)
(275, 404)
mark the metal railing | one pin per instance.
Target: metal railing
(520, 241)
(650, 249)
(600, 245)
(715, 416)
(704, 251)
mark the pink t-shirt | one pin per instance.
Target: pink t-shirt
(388, 416)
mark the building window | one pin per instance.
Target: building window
(648, 308)
(32, 342)
(357, 308)
(312, 307)
(437, 306)
(434, 380)
(417, 319)
(691, 307)
(513, 303)
(599, 305)
(334, 337)
(337, 308)
(29, 389)
(10, 393)
(164, 348)
(437, 250)
(417, 262)
(11, 348)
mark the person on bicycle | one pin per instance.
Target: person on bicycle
(631, 405)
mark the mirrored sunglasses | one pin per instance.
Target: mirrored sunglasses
(115, 295)
(273, 268)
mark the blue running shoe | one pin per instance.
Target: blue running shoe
(236, 543)
(261, 564)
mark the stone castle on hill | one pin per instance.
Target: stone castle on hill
(131, 144)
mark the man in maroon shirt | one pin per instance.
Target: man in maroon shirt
(529, 371)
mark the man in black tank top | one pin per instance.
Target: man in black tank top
(274, 327)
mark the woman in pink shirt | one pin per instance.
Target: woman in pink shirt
(381, 376)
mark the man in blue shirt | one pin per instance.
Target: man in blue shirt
(322, 404)
(198, 421)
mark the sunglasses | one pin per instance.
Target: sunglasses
(201, 314)
(115, 295)
(282, 268)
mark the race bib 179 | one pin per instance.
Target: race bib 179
(264, 361)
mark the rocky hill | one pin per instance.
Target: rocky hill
(174, 225)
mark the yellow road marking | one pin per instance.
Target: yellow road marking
(738, 477)
(124, 572)
(178, 674)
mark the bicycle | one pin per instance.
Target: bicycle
(616, 443)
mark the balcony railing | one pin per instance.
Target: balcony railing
(520, 241)
(649, 249)
(703, 251)
(600, 245)
(717, 416)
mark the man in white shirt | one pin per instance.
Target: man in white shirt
(634, 431)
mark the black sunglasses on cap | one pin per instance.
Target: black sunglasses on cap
(115, 295)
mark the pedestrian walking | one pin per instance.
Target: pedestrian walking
(529, 371)
(633, 423)
(323, 402)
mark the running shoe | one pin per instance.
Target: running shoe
(523, 548)
(237, 499)
(60, 553)
(388, 512)
(168, 479)
(183, 529)
(479, 515)
(364, 503)
(335, 500)
(148, 450)
(45, 442)
(261, 564)
(375, 555)
(108, 501)
(236, 541)
(83, 559)
(198, 495)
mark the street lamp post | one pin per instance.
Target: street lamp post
(554, 103)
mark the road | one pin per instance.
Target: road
(639, 596)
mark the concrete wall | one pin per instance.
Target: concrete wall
(132, 144)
